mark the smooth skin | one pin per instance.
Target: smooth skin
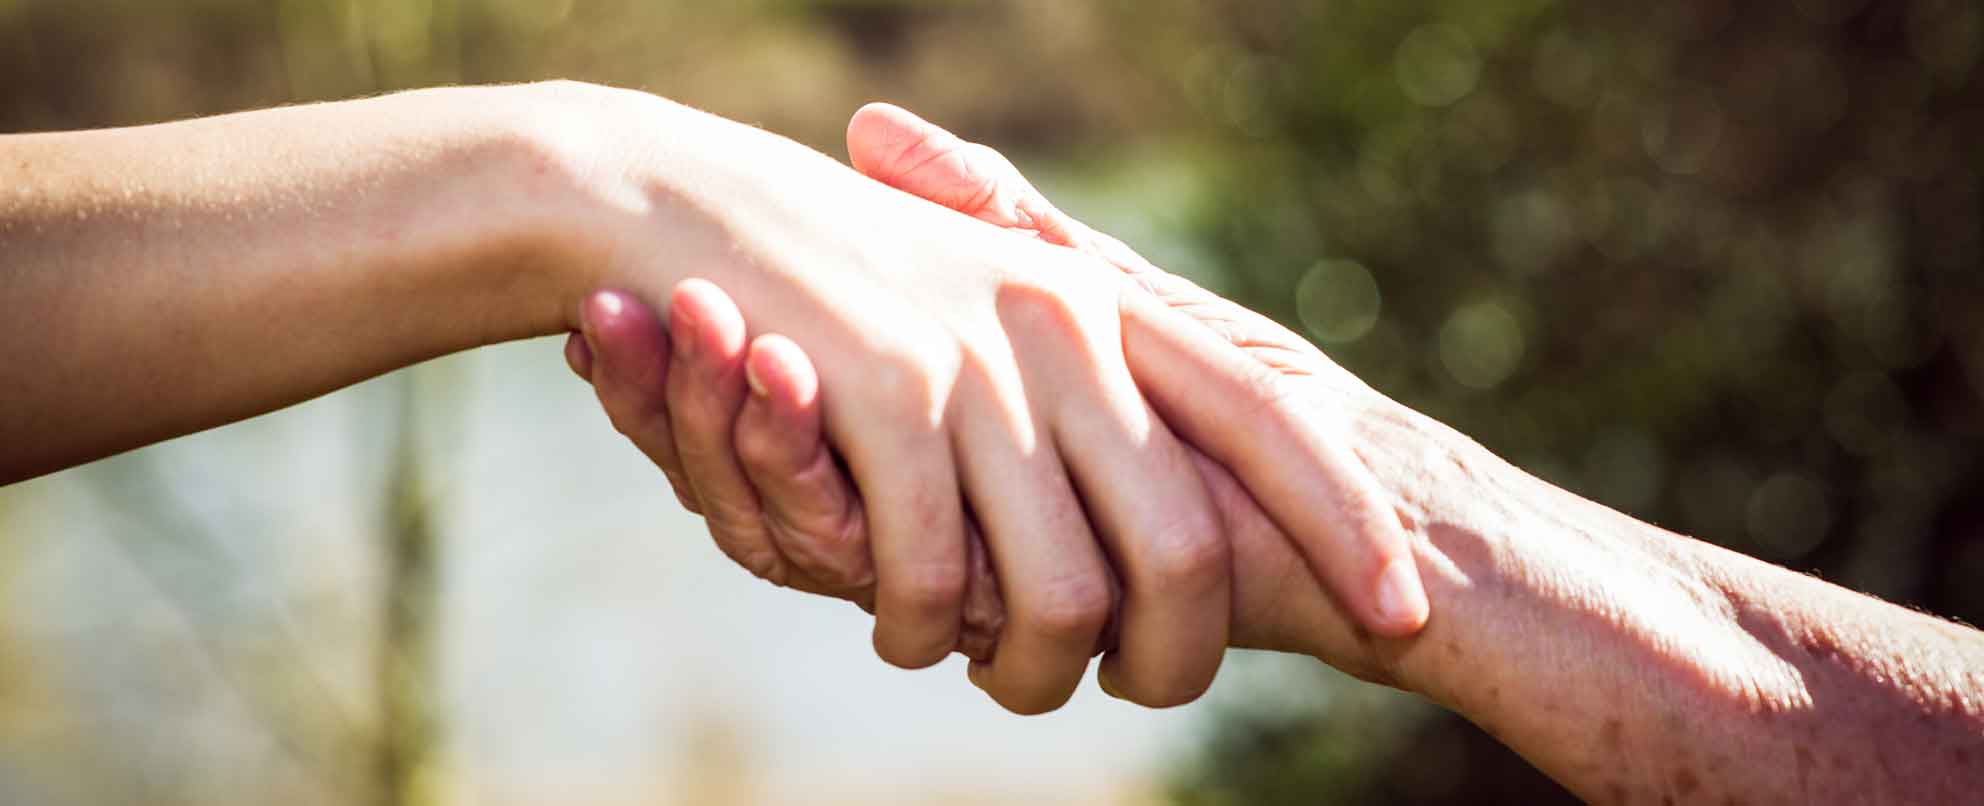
(1632, 664)
(164, 279)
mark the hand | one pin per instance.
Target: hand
(816, 513)
(961, 365)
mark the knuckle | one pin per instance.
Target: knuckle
(1039, 309)
(698, 450)
(927, 592)
(1073, 611)
(760, 449)
(906, 386)
(766, 565)
(734, 525)
(835, 555)
(1188, 554)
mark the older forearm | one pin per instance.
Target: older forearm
(164, 279)
(1635, 665)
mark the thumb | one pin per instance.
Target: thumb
(1291, 458)
(893, 146)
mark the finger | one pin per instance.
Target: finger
(578, 356)
(815, 517)
(623, 350)
(815, 514)
(1226, 403)
(705, 393)
(901, 461)
(1145, 500)
(1055, 581)
(984, 606)
(895, 147)
(1148, 504)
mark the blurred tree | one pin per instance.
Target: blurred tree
(1714, 265)
(409, 734)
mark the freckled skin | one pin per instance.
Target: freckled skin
(1632, 664)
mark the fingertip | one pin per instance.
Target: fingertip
(601, 307)
(701, 316)
(877, 131)
(903, 653)
(607, 318)
(1105, 677)
(596, 311)
(781, 372)
(1399, 604)
(876, 115)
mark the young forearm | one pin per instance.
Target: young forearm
(1634, 665)
(164, 279)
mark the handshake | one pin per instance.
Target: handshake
(1030, 460)
(918, 386)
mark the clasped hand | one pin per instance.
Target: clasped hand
(992, 480)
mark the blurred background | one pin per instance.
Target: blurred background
(1714, 264)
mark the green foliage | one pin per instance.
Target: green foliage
(1714, 265)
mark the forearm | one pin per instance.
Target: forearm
(1633, 664)
(164, 279)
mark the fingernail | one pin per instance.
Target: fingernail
(1401, 600)
(751, 379)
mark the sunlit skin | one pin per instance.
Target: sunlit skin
(164, 279)
(1632, 664)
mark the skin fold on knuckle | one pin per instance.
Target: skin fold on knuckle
(1045, 314)
(764, 451)
(1185, 555)
(763, 563)
(1071, 610)
(836, 554)
(906, 392)
(930, 590)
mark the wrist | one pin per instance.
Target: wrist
(562, 158)
(500, 185)
(641, 192)
(1523, 575)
